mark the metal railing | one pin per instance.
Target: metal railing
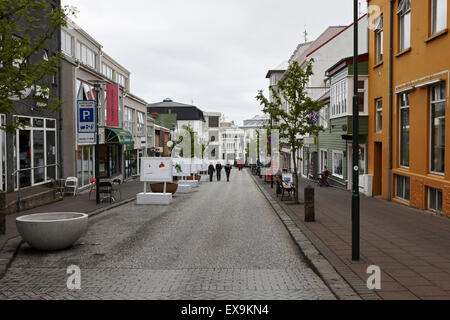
(14, 174)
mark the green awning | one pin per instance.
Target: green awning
(118, 136)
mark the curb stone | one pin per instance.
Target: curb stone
(321, 266)
(12, 245)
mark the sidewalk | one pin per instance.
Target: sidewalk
(411, 247)
(79, 203)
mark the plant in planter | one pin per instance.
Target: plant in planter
(159, 187)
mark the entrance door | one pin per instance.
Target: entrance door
(377, 169)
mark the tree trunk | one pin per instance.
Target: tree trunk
(295, 175)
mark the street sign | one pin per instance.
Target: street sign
(86, 121)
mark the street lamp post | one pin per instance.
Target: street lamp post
(97, 191)
(355, 147)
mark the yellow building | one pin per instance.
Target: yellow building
(409, 63)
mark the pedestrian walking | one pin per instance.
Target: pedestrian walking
(240, 166)
(228, 171)
(211, 172)
(218, 171)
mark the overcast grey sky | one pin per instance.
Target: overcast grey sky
(214, 53)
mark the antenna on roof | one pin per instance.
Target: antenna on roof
(305, 34)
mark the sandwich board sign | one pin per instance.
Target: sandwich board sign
(181, 169)
(156, 169)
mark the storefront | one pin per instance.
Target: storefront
(110, 158)
(35, 152)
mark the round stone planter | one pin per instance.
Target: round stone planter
(159, 187)
(52, 231)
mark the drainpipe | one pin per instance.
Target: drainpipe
(60, 121)
(391, 97)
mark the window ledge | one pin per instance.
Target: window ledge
(403, 52)
(437, 35)
(378, 64)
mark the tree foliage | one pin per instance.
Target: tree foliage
(27, 66)
(295, 120)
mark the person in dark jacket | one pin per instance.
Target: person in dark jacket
(228, 171)
(211, 172)
(218, 171)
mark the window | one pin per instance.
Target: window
(338, 98)
(120, 79)
(362, 159)
(66, 43)
(323, 116)
(379, 115)
(434, 199)
(361, 96)
(402, 187)
(213, 122)
(338, 160)
(323, 160)
(35, 151)
(437, 126)
(85, 164)
(404, 13)
(86, 55)
(107, 71)
(128, 119)
(140, 124)
(379, 39)
(404, 129)
(438, 15)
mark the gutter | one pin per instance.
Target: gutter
(391, 97)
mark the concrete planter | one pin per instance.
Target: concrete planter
(159, 187)
(52, 231)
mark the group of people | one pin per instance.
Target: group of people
(218, 170)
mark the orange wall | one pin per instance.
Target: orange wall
(425, 58)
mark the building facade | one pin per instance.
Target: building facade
(407, 145)
(121, 115)
(30, 157)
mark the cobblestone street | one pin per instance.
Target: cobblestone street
(224, 241)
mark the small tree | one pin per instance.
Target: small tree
(25, 68)
(296, 121)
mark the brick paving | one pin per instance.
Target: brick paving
(411, 247)
(223, 241)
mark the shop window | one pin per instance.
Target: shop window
(434, 199)
(437, 115)
(338, 161)
(404, 129)
(402, 187)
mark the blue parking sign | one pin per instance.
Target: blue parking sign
(86, 116)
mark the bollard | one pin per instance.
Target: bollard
(2, 212)
(309, 204)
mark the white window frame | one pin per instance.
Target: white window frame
(31, 128)
(434, 8)
(404, 9)
(379, 110)
(442, 99)
(322, 164)
(379, 36)
(66, 43)
(340, 152)
(400, 107)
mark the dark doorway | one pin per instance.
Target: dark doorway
(377, 168)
